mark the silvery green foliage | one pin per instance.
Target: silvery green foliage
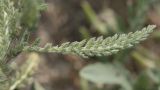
(8, 18)
(12, 37)
(97, 46)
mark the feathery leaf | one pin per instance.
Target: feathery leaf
(97, 46)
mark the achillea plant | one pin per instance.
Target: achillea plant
(14, 40)
(97, 46)
(8, 18)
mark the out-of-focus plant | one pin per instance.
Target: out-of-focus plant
(104, 23)
(17, 21)
(137, 13)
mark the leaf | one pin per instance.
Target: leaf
(105, 74)
(97, 46)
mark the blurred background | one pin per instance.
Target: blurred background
(137, 68)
